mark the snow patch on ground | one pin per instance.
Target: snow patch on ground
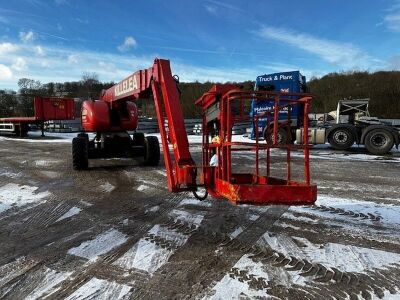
(72, 212)
(107, 187)
(14, 269)
(101, 289)
(232, 286)
(50, 174)
(149, 256)
(253, 217)
(46, 163)
(101, 244)
(191, 201)
(142, 187)
(343, 257)
(154, 250)
(236, 232)
(187, 217)
(388, 213)
(13, 194)
(49, 283)
(163, 173)
(9, 174)
(85, 203)
(152, 209)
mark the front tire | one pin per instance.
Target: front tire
(341, 139)
(80, 159)
(151, 151)
(379, 141)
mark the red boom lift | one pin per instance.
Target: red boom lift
(115, 113)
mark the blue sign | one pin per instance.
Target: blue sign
(285, 82)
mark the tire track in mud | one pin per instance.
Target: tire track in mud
(330, 280)
(215, 251)
(324, 280)
(355, 215)
(41, 219)
(103, 267)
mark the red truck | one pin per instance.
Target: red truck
(46, 109)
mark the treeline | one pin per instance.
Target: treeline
(383, 88)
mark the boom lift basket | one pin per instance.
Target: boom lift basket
(222, 108)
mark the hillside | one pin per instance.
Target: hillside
(383, 88)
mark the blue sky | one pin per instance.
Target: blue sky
(58, 40)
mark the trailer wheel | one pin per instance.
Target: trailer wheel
(379, 141)
(83, 135)
(282, 138)
(80, 153)
(138, 139)
(151, 151)
(341, 138)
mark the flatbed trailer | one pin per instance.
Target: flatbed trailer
(45, 109)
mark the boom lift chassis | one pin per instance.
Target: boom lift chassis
(222, 107)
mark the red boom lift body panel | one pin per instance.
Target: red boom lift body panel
(115, 113)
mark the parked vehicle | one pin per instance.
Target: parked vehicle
(45, 109)
(351, 123)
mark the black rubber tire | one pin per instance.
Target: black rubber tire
(379, 141)
(151, 151)
(80, 159)
(138, 139)
(341, 138)
(283, 137)
(84, 135)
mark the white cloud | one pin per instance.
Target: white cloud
(225, 5)
(39, 50)
(128, 44)
(7, 48)
(392, 18)
(212, 9)
(392, 21)
(73, 59)
(5, 72)
(19, 64)
(344, 55)
(27, 36)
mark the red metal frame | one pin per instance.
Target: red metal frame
(253, 188)
(46, 109)
(159, 82)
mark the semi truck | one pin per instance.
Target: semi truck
(351, 122)
(283, 82)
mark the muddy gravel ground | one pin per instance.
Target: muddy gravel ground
(115, 232)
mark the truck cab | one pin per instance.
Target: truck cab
(283, 82)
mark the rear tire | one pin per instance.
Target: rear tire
(341, 138)
(379, 141)
(151, 151)
(282, 138)
(80, 153)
